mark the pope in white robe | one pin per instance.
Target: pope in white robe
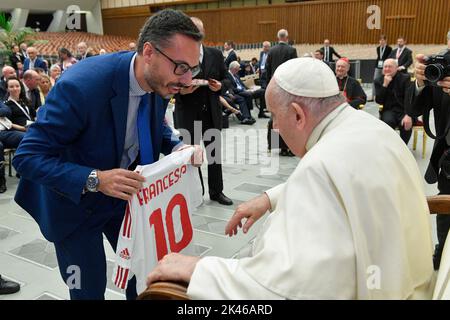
(351, 222)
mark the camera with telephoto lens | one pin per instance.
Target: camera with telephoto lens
(437, 67)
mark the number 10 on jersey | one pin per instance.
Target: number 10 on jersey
(157, 222)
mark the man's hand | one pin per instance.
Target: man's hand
(445, 84)
(188, 90)
(252, 210)
(419, 70)
(119, 183)
(214, 85)
(407, 122)
(197, 156)
(387, 80)
(173, 267)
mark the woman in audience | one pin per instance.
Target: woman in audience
(55, 72)
(45, 85)
(66, 59)
(21, 114)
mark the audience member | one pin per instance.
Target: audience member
(82, 51)
(349, 87)
(229, 53)
(33, 61)
(279, 54)
(31, 81)
(391, 92)
(403, 55)
(329, 52)
(66, 60)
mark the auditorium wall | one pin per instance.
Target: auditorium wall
(342, 21)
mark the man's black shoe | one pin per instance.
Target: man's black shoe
(263, 116)
(3, 185)
(221, 198)
(8, 287)
(247, 121)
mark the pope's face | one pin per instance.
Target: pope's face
(285, 122)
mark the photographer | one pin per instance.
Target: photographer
(427, 95)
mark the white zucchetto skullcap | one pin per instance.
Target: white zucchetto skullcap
(306, 77)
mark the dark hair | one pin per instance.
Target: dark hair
(383, 37)
(22, 97)
(162, 26)
(65, 51)
(230, 43)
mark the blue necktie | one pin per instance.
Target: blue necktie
(143, 125)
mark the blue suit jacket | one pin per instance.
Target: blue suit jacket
(39, 63)
(81, 127)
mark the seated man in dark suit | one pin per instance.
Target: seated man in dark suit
(390, 91)
(240, 89)
(349, 86)
(33, 61)
(234, 99)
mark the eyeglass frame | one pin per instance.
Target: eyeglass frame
(194, 70)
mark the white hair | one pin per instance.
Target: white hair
(233, 65)
(282, 34)
(317, 107)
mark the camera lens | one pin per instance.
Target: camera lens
(434, 72)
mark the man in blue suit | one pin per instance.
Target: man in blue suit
(73, 160)
(33, 61)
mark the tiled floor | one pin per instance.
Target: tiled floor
(26, 257)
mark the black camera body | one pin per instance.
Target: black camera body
(437, 67)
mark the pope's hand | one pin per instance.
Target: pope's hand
(119, 183)
(252, 210)
(173, 267)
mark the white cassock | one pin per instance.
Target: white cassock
(351, 222)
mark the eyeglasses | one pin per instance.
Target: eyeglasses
(181, 67)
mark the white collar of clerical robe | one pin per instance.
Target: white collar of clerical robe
(323, 124)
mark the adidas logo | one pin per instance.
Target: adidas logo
(124, 254)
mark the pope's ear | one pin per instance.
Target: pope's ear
(300, 115)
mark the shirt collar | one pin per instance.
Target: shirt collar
(318, 131)
(135, 88)
(201, 54)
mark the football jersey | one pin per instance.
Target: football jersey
(157, 219)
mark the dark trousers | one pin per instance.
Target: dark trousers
(272, 136)
(394, 120)
(84, 250)
(9, 139)
(240, 101)
(250, 95)
(215, 179)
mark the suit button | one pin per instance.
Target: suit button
(89, 211)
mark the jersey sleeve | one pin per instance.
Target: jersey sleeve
(124, 251)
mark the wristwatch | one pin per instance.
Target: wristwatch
(92, 182)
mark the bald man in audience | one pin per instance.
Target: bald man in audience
(349, 87)
(31, 80)
(391, 92)
(262, 63)
(342, 226)
(7, 72)
(33, 61)
(329, 52)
